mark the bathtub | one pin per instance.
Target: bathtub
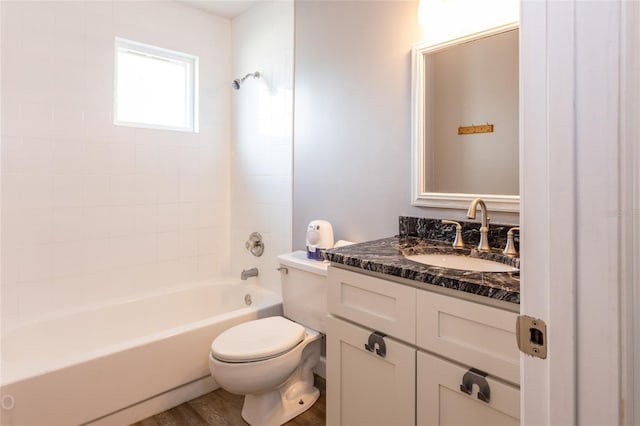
(120, 363)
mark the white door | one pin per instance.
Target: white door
(573, 179)
(547, 211)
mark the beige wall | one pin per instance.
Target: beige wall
(352, 153)
(474, 83)
(353, 116)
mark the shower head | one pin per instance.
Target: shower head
(238, 81)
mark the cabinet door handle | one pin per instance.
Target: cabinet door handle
(376, 338)
(476, 377)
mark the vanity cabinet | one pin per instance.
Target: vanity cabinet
(374, 386)
(364, 388)
(398, 355)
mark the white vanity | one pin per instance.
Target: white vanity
(414, 344)
(423, 343)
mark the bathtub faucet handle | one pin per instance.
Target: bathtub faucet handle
(255, 244)
(248, 273)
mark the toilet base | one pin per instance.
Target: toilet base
(274, 409)
(289, 400)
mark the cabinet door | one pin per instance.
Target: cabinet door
(441, 402)
(470, 333)
(364, 388)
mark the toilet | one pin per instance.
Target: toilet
(271, 360)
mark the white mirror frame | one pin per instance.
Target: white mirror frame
(507, 203)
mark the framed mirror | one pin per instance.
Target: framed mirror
(465, 121)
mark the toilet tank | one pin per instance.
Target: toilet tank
(304, 290)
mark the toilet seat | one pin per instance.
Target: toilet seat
(257, 340)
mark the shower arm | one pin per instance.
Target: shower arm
(251, 74)
(237, 83)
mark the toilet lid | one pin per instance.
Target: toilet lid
(257, 340)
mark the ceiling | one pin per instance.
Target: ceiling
(225, 8)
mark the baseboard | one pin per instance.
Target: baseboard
(158, 403)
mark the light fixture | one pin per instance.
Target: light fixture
(447, 19)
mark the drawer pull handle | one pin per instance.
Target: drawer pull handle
(476, 377)
(376, 338)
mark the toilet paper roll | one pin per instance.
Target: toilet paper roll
(342, 243)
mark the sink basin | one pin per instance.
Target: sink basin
(464, 263)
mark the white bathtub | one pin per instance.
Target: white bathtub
(91, 365)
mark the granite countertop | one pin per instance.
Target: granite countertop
(385, 256)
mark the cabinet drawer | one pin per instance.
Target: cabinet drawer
(379, 304)
(440, 401)
(480, 336)
(363, 387)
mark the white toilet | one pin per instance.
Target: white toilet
(270, 360)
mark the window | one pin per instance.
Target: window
(155, 88)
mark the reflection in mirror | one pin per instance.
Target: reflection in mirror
(473, 83)
(466, 121)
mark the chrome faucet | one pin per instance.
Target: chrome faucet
(248, 273)
(484, 229)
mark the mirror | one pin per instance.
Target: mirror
(465, 121)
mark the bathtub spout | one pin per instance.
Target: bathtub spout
(247, 273)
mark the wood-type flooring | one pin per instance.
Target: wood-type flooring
(221, 408)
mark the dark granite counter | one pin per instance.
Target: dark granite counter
(386, 256)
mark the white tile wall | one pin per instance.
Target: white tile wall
(263, 134)
(91, 211)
